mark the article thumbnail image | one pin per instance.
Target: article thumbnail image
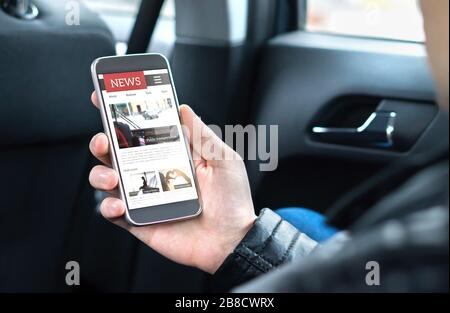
(141, 114)
(174, 179)
(143, 183)
(131, 135)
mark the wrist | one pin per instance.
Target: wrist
(225, 244)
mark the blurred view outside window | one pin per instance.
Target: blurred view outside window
(127, 7)
(390, 19)
(120, 16)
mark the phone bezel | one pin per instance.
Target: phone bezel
(153, 214)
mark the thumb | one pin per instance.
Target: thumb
(205, 144)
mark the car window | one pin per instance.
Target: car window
(389, 19)
(120, 15)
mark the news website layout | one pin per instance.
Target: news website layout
(149, 141)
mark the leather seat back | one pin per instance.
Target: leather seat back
(46, 124)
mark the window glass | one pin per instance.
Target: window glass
(390, 19)
(120, 16)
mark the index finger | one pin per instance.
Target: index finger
(94, 100)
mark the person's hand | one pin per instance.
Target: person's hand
(203, 242)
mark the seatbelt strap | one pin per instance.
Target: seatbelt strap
(144, 26)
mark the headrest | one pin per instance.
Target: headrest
(45, 81)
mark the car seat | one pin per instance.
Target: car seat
(46, 123)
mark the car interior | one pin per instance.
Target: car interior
(346, 106)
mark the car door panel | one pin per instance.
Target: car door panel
(303, 75)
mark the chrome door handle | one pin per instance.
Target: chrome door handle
(377, 131)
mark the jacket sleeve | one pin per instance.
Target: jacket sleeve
(269, 243)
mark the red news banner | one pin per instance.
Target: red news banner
(125, 81)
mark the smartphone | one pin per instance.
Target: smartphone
(139, 109)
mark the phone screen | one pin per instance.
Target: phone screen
(149, 143)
